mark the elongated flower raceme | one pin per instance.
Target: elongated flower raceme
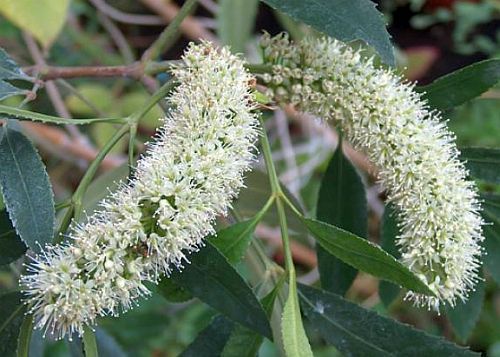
(381, 115)
(188, 177)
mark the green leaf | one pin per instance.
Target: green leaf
(212, 279)
(234, 240)
(463, 85)
(491, 214)
(26, 188)
(11, 319)
(107, 345)
(235, 22)
(8, 90)
(172, 291)
(355, 331)
(9, 68)
(89, 342)
(43, 19)
(364, 255)
(21, 114)
(24, 339)
(341, 202)
(11, 246)
(244, 342)
(345, 20)
(211, 341)
(483, 163)
(388, 291)
(295, 339)
(464, 316)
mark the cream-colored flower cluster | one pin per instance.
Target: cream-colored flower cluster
(383, 116)
(146, 228)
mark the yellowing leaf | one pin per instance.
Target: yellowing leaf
(43, 19)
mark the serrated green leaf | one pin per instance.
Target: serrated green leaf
(43, 19)
(9, 68)
(11, 246)
(295, 339)
(341, 202)
(213, 280)
(235, 22)
(11, 317)
(464, 315)
(483, 163)
(355, 331)
(345, 20)
(233, 241)
(491, 214)
(211, 341)
(26, 188)
(8, 90)
(388, 291)
(463, 85)
(364, 255)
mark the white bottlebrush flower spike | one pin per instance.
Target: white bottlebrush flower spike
(383, 116)
(188, 177)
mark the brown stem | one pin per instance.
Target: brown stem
(134, 70)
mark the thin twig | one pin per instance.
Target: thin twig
(52, 91)
(288, 152)
(80, 96)
(210, 5)
(133, 70)
(169, 34)
(117, 37)
(190, 27)
(57, 142)
(120, 16)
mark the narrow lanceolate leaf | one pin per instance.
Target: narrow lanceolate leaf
(463, 85)
(491, 214)
(345, 20)
(211, 341)
(483, 163)
(235, 22)
(24, 339)
(389, 232)
(233, 241)
(244, 342)
(8, 90)
(464, 315)
(21, 114)
(295, 339)
(341, 202)
(9, 68)
(212, 279)
(11, 319)
(26, 189)
(11, 246)
(355, 331)
(364, 255)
